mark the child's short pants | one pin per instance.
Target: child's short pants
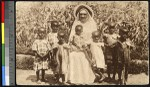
(40, 64)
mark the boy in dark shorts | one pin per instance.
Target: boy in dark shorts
(110, 40)
(123, 55)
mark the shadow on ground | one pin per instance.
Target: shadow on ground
(49, 77)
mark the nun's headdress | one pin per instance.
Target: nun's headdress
(82, 6)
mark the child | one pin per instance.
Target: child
(110, 51)
(41, 50)
(97, 53)
(62, 56)
(52, 36)
(53, 41)
(77, 41)
(79, 44)
(124, 56)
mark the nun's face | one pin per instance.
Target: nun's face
(83, 16)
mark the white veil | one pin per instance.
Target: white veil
(88, 27)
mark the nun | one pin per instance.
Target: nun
(80, 70)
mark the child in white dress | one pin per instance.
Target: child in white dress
(97, 53)
(62, 56)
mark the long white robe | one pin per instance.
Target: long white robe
(80, 70)
(98, 54)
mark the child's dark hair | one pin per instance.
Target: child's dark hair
(78, 29)
(95, 33)
(61, 33)
(41, 29)
(54, 24)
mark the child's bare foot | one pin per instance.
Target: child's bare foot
(65, 83)
(38, 82)
(68, 82)
(108, 79)
(57, 80)
(102, 79)
(44, 80)
(113, 78)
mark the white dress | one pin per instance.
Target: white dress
(62, 59)
(52, 39)
(80, 71)
(97, 54)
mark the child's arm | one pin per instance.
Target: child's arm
(46, 54)
(34, 48)
(103, 48)
(36, 54)
(104, 30)
(66, 46)
(75, 43)
(49, 49)
(101, 45)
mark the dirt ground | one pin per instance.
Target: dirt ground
(27, 77)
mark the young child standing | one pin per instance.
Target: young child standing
(53, 41)
(62, 56)
(110, 40)
(41, 50)
(124, 55)
(97, 53)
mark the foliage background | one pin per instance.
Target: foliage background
(31, 15)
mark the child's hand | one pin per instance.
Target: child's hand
(66, 46)
(106, 44)
(105, 67)
(94, 61)
(94, 65)
(99, 45)
(78, 47)
(83, 46)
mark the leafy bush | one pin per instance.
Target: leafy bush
(24, 61)
(138, 66)
(30, 18)
(140, 55)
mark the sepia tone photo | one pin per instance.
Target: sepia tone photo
(82, 43)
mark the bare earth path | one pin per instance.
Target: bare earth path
(27, 77)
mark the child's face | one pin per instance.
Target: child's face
(95, 38)
(111, 31)
(124, 36)
(41, 35)
(54, 29)
(61, 39)
(79, 30)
